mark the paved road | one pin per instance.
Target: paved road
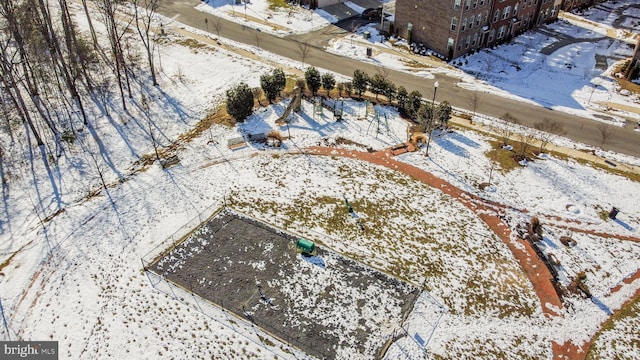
(623, 140)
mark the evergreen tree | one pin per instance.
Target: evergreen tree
(402, 95)
(328, 82)
(413, 103)
(360, 82)
(377, 82)
(389, 90)
(313, 79)
(279, 79)
(443, 113)
(268, 85)
(240, 102)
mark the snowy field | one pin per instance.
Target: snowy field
(70, 249)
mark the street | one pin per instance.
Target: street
(623, 140)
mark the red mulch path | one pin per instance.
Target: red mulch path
(489, 212)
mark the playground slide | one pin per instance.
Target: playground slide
(294, 105)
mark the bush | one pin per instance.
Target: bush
(328, 82)
(313, 79)
(240, 102)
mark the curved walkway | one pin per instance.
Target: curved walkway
(533, 267)
(489, 212)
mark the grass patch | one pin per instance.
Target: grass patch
(624, 83)
(6, 262)
(629, 175)
(504, 158)
(192, 43)
(507, 163)
(274, 4)
(415, 64)
(629, 312)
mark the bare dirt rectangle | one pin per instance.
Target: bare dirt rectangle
(326, 305)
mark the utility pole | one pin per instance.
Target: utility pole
(433, 109)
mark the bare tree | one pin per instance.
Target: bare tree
(145, 108)
(257, 35)
(144, 13)
(508, 128)
(383, 71)
(526, 140)
(474, 98)
(605, 131)
(548, 130)
(217, 25)
(109, 9)
(304, 48)
(92, 30)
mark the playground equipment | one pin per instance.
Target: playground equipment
(317, 107)
(306, 247)
(294, 105)
(380, 122)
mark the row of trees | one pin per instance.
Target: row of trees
(240, 99)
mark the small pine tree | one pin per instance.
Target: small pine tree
(360, 82)
(313, 79)
(443, 113)
(268, 85)
(413, 103)
(240, 101)
(328, 82)
(402, 95)
(389, 90)
(279, 79)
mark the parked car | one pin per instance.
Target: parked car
(372, 13)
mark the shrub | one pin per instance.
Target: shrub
(240, 101)
(313, 79)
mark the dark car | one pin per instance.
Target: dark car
(372, 13)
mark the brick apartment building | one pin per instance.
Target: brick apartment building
(456, 27)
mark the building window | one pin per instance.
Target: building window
(467, 3)
(475, 3)
(506, 12)
(466, 43)
(478, 19)
(475, 39)
(491, 35)
(515, 9)
(495, 16)
(450, 44)
(481, 2)
(456, 5)
(454, 23)
(501, 31)
(471, 19)
(464, 24)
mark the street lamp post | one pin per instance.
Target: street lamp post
(382, 23)
(433, 109)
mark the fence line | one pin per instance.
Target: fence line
(172, 289)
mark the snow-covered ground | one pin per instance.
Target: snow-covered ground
(70, 249)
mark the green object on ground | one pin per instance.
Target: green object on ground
(306, 246)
